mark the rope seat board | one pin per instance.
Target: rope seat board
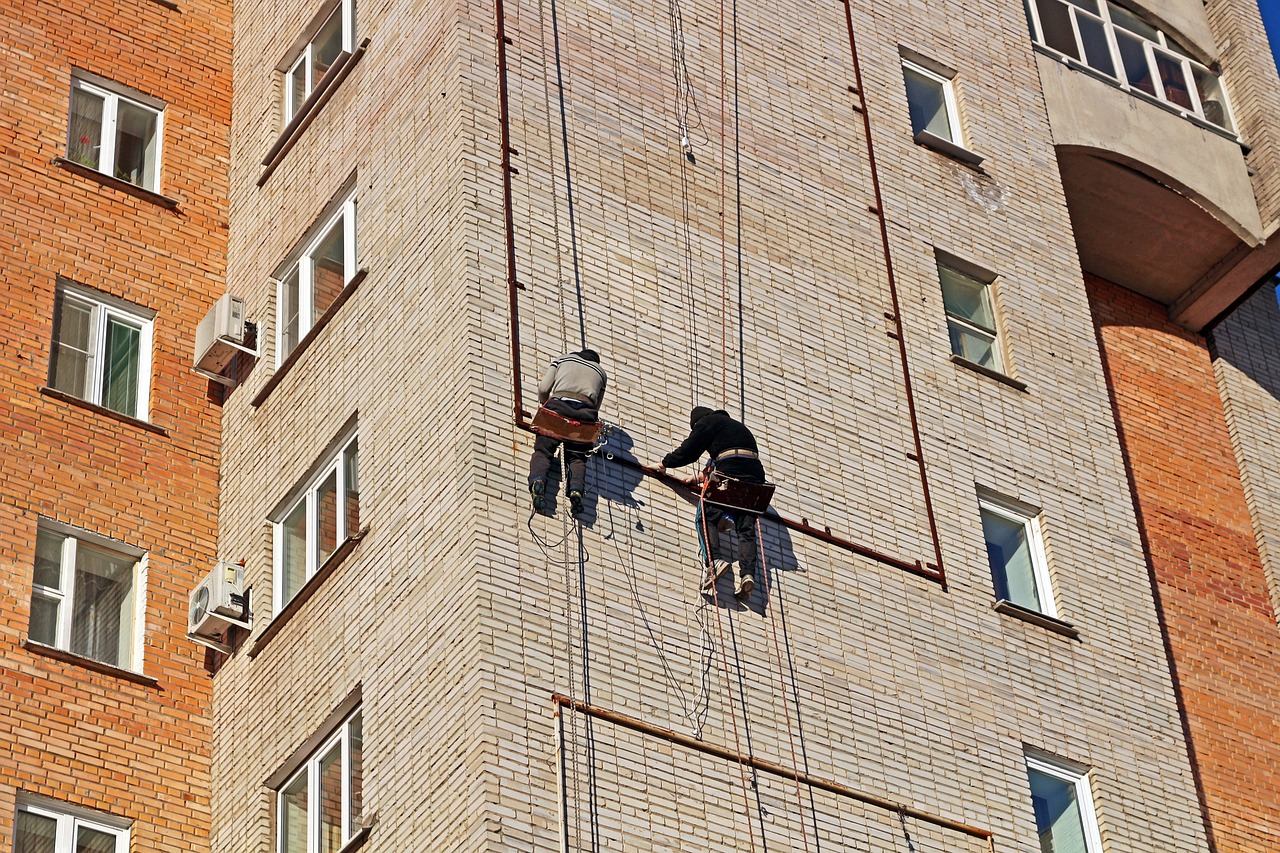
(553, 425)
(735, 494)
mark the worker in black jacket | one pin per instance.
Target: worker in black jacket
(734, 454)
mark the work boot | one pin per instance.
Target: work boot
(575, 502)
(717, 570)
(538, 490)
(746, 583)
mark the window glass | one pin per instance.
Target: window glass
(293, 816)
(84, 136)
(294, 532)
(48, 572)
(1174, 80)
(357, 768)
(971, 321)
(36, 833)
(102, 615)
(1057, 811)
(136, 144)
(1136, 68)
(1055, 23)
(328, 268)
(926, 100)
(1212, 101)
(1097, 51)
(315, 277)
(327, 515)
(44, 620)
(327, 46)
(1131, 22)
(351, 478)
(289, 311)
(72, 340)
(1009, 555)
(120, 373)
(89, 840)
(297, 87)
(330, 774)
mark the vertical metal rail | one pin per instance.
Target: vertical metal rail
(893, 294)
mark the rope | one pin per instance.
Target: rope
(568, 172)
(724, 252)
(733, 715)
(696, 711)
(737, 200)
(777, 650)
(561, 283)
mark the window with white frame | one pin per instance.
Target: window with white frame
(115, 133)
(310, 282)
(319, 808)
(101, 350)
(971, 316)
(335, 35)
(1119, 45)
(1063, 804)
(324, 514)
(86, 594)
(1015, 552)
(47, 827)
(931, 100)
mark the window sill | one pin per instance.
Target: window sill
(309, 589)
(88, 663)
(101, 410)
(357, 841)
(1017, 611)
(310, 108)
(305, 343)
(956, 152)
(989, 373)
(124, 186)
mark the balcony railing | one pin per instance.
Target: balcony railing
(1129, 52)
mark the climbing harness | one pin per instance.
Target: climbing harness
(723, 490)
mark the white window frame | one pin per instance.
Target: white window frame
(948, 95)
(70, 819)
(112, 95)
(1078, 777)
(989, 296)
(1029, 518)
(1167, 47)
(309, 495)
(104, 308)
(311, 768)
(66, 597)
(304, 58)
(300, 263)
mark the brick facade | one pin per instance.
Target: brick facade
(1216, 603)
(133, 746)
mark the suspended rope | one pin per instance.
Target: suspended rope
(705, 546)
(551, 162)
(568, 173)
(777, 650)
(737, 201)
(695, 711)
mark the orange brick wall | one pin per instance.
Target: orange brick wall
(137, 750)
(1220, 626)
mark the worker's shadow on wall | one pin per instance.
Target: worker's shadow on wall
(613, 474)
(779, 556)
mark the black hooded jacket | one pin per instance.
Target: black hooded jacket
(714, 434)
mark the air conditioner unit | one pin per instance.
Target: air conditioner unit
(220, 335)
(217, 603)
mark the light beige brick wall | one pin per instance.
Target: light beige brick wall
(1249, 377)
(459, 626)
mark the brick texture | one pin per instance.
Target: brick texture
(1195, 515)
(137, 750)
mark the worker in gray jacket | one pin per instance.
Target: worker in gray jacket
(573, 386)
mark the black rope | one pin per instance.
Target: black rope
(737, 189)
(568, 173)
(746, 725)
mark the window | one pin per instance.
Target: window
(971, 318)
(319, 808)
(85, 595)
(114, 134)
(311, 282)
(334, 37)
(101, 350)
(1063, 805)
(317, 521)
(1130, 52)
(932, 103)
(47, 827)
(1015, 552)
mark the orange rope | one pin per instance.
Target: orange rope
(724, 657)
(782, 682)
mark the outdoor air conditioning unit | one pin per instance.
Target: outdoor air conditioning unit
(217, 603)
(220, 335)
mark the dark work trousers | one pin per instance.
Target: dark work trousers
(744, 523)
(575, 455)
